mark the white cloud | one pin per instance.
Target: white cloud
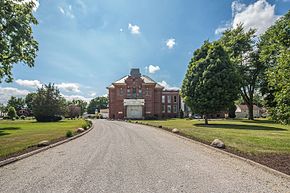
(170, 43)
(167, 86)
(135, 29)
(260, 15)
(61, 10)
(220, 30)
(29, 83)
(76, 97)
(93, 94)
(7, 92)
(69, 87)
(67, 11)
(152, 69)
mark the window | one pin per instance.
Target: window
(174, 108)
(134, 93)
(163, 108)
(163, 99)
(128, 92)
(168, 108)
(140, 92)
(121, 91)
(168, 99)
(175, 99)
(147, 92)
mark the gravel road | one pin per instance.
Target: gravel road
(122, 157)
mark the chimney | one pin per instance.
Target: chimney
(135, 72)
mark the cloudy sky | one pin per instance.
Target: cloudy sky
(85, 45)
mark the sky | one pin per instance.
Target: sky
(85, 45)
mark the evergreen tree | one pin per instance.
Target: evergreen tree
(211, 83)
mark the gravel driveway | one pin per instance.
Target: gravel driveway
(122, 157)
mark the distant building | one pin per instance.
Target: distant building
(242, 111)
(104, 113)
(137, 96)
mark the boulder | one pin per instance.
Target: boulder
(218, 143)
(79, 130)
(43, 143)
(175, 130)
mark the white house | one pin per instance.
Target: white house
(242, 111)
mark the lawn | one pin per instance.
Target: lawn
(251, 137)
(18, 135)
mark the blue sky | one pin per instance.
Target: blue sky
(85, 45)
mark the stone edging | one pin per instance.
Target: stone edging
(20, 157)
(251, 162)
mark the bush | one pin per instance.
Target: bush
(88, 124)
(69, 134)
(22, 117)
(48, 118)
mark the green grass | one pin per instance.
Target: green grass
(21, 134)
(255, 137)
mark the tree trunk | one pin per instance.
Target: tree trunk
(205, 120)
(250, 111)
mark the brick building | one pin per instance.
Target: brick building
(137, 96)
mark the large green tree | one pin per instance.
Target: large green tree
(279, 78)
(97, 104)
(274, 54)
(211, 83)
(48, 104)
(17, 43)
(241, 48)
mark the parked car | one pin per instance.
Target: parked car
(196, 116)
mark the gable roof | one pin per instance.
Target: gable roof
(146, 79)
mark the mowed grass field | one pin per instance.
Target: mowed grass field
(256, 137)
(18, 135)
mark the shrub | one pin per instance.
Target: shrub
(69, 133)
(87, 124)
(11, 113)
(22, 117)
(48, 118)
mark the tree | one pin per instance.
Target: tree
(211, 82)
(16, 39)
(232, 110)
(242, 50)
(274, 54)
(2, 110)
(29, 101)
(278, 78)
(48, 104)
(11, 112)
(97, 104)
(17, 103)
(82, 104)
(73, 111)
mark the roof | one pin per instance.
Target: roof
(245, 107)
(146, 79)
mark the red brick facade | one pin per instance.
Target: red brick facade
(138, 96)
